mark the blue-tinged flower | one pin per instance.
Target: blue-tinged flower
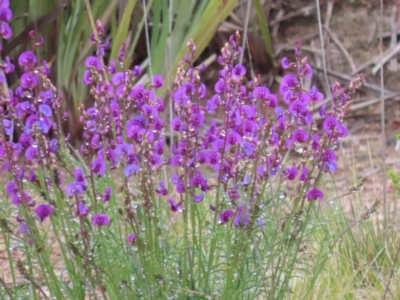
(198, 198)
(101, 219)
(8, 127)
(83, 210)
(43, 211)
(12, 188)
(242, 218)
(74, 189)
(99, 166)
(54, 145)
(131, 169)
(45, 110)
(24, 228)
(315, 194)
(28, 80)
(32, 153)
(225, 216)
(158, 81)
(285, 63)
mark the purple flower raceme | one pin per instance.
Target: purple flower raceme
(315, 194)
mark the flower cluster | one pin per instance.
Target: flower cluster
(236, 158)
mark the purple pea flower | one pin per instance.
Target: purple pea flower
(5, 30)
(43, 211)
(162, 191)
(12, 188)
(99, 166)
(315, 194)
(27, 59)
(239, 71)
(28, 80)
(288, 83)
(131, 238)
(220, 86)
(87, 77)
(300, 136)
(225, 216)
(131, 169)
(8, 127)
(285, 63)
(74, 189)
(45, 110)
(304, 174)
(158, 81)
(83, 210)
(31, 153)
(331, 124)
(93, 62)
(242, 218)
(291, 173)
(24, 229)
(4, 3)
(261, 92)
(101, 219)
(175, 207)
(198, 198)
(107, 194)
(297, 107)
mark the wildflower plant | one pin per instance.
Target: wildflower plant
(220, 213)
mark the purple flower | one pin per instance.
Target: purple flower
(234, 138)
(4, 3)
(101, 219)
(331, 124)
(300, 136)
(5, 30)
(225, 216)
(239, 71)
(315, 95)
(297, 107)
(175, 206)
(315, 194)
(261, 92)
(99, 166)
(12, 188)
(288, 83)
(80, 177)
(83, 210)
(131, 169)
(93, 62)
(308, 71)
(45, 110)
(131, 238)
(28, 80)
(107, 194)
(242, 218)
(198, 198)
(43, 211)
(8, 127)
(162, 191)
(304, 174)
(87, 77)
(27, 59)
(220, 86)
(5, 14)
(136, 71)
(285, 63)
(119, 78)
(291, 173)
(158, 81)
(31, 153)
(24, 228)
(54, 145)
(74, 189)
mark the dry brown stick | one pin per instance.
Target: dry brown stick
(336, 40)
(302, 11)
(385, 57)
(393, 40)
